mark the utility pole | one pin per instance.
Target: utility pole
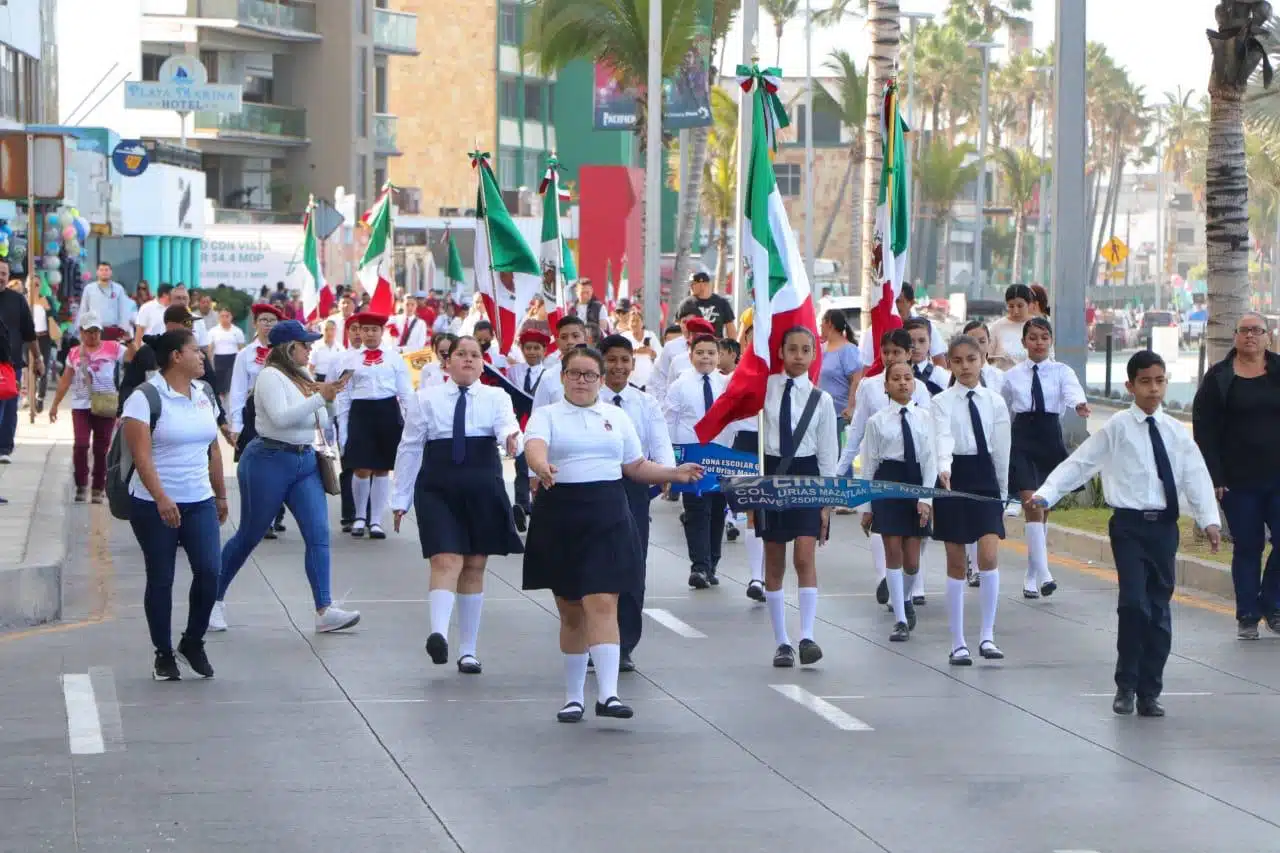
(978, 284)
(750, 24)
(810, 247)
(653, 170)
(914, 18)
(1042, 226)
(1160, 212)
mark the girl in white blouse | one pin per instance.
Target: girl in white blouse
(1007, 348)
(971, 425)
(458, 493)
(583, 544)
(899, 447)
(225, 341)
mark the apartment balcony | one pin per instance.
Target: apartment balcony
(385, 138)
(254, 216)
(280, 19)
(395, 32)
(256, 123)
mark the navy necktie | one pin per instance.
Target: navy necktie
(908, 441)
(1037, 390)
(979, 434)
(617, 400)
(460, 427)
(707, 397)
(528, 381)
(786, 438)
(1165, 469)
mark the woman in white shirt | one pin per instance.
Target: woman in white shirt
(90, 376)
(278, 468)
(225, 343)
(645, 344)
(458, 494)
(324, 356)
(178, 495)
(583, 544)
(1006, 333)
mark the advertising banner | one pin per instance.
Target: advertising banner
(685, 95)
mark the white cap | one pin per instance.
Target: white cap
(90, 320)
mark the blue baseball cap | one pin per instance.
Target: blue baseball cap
(288, 331)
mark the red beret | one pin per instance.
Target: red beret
(263, 308)
(699, 326)
(368, 318)
(534, 336)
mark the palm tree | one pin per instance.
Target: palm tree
(943, 175)
(884, 25)
(719, 175)
(850, 105)
(782, 12)
(1022, 172)
(1237, 53)
(981, 18)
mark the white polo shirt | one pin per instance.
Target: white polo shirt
(179, 444)
(587, 444)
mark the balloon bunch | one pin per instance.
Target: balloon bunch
(5, 234)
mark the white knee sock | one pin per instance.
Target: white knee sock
(808, 610)
(379, 498)
(955, 611)
(441, 605)
(894, 577)
(360, 494)
(575, 678)
(606, 656)
(755, 555)
(989, 595)
(1037, 555)
(469, 606)
(917, 583)
(877, 556)
(777, 605)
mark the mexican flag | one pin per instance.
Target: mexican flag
(893, 222)
(317, 295)
(453, 272)
(557, 261)
(624, 284)
(507, 271)
(776, 278)
(374, 271)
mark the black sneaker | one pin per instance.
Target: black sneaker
(810, 652)
(731, 532)
(713, 579)
(784, 657)
(1048, 588)
(346, 525)
(192, 654)
(910, 608)
(755, 591)
(882, 592)
(901, 633)
(166, 667)
(270, 534)
(918, 600)
(1273, 623)
(625, 663)
(279, 527)
(522, 518)
(1246, 629)
(698, 580)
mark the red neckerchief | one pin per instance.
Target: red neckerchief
(372, 356)
(260, 357)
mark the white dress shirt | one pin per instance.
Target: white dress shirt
(249, 362)
(416, 336)
(525, 376)
(883, 441)
(226, 341)
(586, 444)
(1122, 452)
(939, 376)
(386, 377)
(550, 386)
(672, 361)
(646, 415)
(871, 398)
(150, 318)
(685, 405)
(325, 358)
(431, 375)
(112, 305)
(937, 346)
(1061, 388)
(953, 429)
(429, 417)
(820, 438)
(283, 413)
(993, 378)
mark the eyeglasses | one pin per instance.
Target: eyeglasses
(582, 375)
(1251, 331)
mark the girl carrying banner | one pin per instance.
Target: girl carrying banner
(991, 378)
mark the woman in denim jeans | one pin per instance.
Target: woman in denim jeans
(278, 468)
(179, 497)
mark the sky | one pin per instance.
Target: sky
(1161, 42)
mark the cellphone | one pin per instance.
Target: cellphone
(346, 374)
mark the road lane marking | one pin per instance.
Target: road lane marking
(1165, 693)
(825, 710)
(666, 620)
(84, 727)
(103, 680)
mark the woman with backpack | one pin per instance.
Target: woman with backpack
(177, 495)
(91, 378)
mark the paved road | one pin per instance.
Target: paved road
(356, 742)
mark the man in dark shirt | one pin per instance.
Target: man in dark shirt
(17, 333)
(704, 302)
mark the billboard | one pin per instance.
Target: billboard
(685, 94)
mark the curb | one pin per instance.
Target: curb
(1189, 572)
(31, 594)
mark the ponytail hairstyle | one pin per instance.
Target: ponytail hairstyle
(1037, 323)
(839, 322)
(976, 324)
(167, 344)
(1040, 296)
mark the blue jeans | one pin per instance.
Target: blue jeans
(1251, 513)
(270, 478)
(9, 417)
(198, 535)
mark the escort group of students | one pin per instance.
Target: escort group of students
(595, 443)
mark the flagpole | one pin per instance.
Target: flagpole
(555, 188)
(391, 236)
(496, 319)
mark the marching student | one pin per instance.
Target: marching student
(583, 544)
(457, 493)
(244, 373)
(991, 377)
(370, 422)
(871, 397)
(687, 401)
(526, 376)
(799, 440)
(934, 379)
(729, 354)
(746, 439)
(676, 355)
(899, 447)
(225, 341)
(434, 373)
(571, 333)
(325, 354)
(971, 429)
(413, 330)
(646, 416)
(483, 333)
(1145, 458)
(1038, 390)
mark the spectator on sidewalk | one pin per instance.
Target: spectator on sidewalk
(91, 378)
(110, 301)
(18, 331)
(704, 302)
(1235, 418)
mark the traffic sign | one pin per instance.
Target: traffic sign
(182, 86)
(1114, 251)
(328, 219)
(131, 158)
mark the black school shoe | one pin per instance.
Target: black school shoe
(901, 633)
(570, 713)
(699, 580)
(438, 648)
(1149, 706)
(784, 657)
(882, 591)
(755, 591)
(613, 707)
(810, 652)
(1123, 703)
(910, 608)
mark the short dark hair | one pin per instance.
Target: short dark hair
(703, 339)
(889, 368)
(440, 337)
(4, 261)
(896, 337)
(975, 324)
(918, 323)
(1019, 291)
(799, 330)
(616, 342)
(482, 326)
(907, 292)
(730, 345)
(106, 264)
(1141, 360)
(1037, 323)
(569, 320)
(164, 290)
(585, 352)
(673, 329)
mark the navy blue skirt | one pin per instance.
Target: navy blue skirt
(747, 442)
(464, 509)
(583, 541)
(897, 516)
(373, 434)
(789, 525)
(1037, 448)
(962, 521)
(223, 366)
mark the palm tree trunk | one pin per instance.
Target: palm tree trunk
(856, 226)
(883, 20)
(778, 32)
(1019, 236)
(722, 253)
(1226, 221)
(839, 205)
(689, 213)
(946, 248)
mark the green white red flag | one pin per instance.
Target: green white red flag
(893, 222)
(557, 261)
(507, 271)
(317, 295)
(374, 271)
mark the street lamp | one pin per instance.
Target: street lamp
(985, 47)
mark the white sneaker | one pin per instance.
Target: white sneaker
(5, 459)
(218, 618)
(336, 619)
